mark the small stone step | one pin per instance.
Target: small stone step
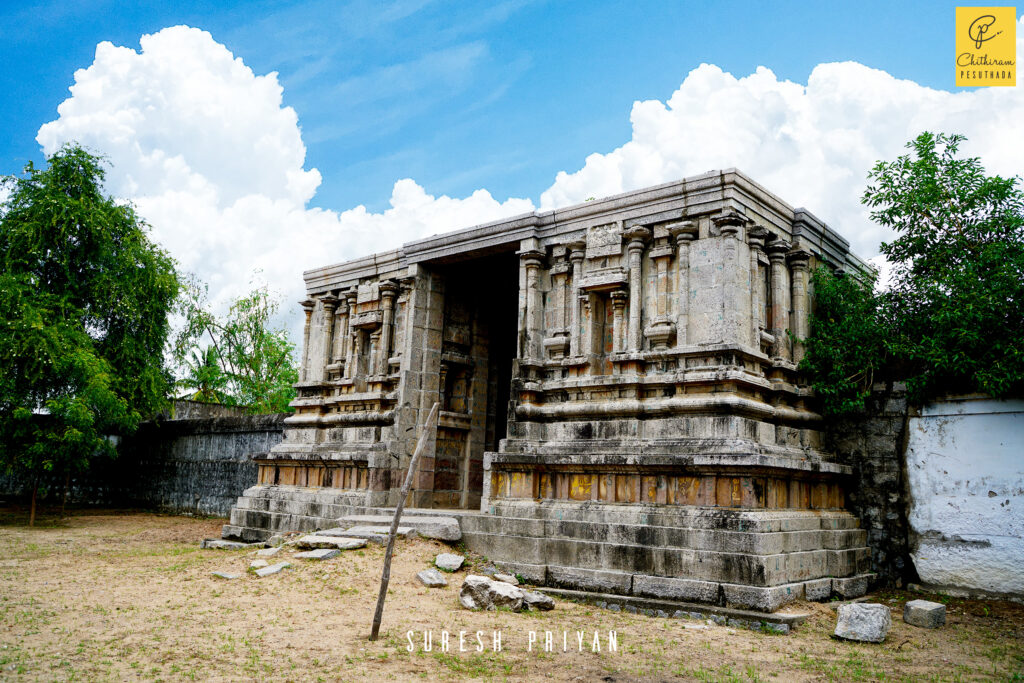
(272, 569)
(429, 526)
(221, 544)
(320, 540)
(377, 534)
(319, 554)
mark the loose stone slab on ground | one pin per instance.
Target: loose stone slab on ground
(439, 527)
(867, 622)
(377, 534)
(258, 564)
(226, 575)
(320, 540)
(507, 578)
(272, 569)
(537, 601)
(481, 593)
(221, 544)
(319, 554)
(924, 613)
(431, 578)
(268, 552)
(450, 562)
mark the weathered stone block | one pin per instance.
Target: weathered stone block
(924, 613)
(431, 578)
(449, 562)
(318, 554)
(867, 622)
(675, 589)
(761, 598)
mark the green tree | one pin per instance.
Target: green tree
(84, 302)
(245, 360)
(952, 318)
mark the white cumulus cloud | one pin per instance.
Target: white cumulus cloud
(214, 161)
(812, 144)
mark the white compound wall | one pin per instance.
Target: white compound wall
(965, 467)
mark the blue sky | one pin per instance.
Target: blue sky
(460, 97)
(262, 139)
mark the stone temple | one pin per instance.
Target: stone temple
(620, 406)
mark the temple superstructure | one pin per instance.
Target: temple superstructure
(620, 404)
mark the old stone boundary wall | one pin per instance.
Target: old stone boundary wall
(192, 466)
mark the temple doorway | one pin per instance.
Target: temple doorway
(477, 352)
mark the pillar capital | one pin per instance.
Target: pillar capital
(777, 250)
(757, 236)
(387, 288)
(799, 259)
(577, 250)
(330, 302)
(731, 222)
(531, 258)
(683, 231)
(637, 235)
(307, 305)
(619, 298)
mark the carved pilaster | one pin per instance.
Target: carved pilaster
(388, 290)
(329, 303)
(352, 336)
(780, 297)
(307, 308)
(634, 248)
(577, 250)
(799, 262)
(532, 261)
(341, 331)
(755, 238)
(683, 233)
(618, 298)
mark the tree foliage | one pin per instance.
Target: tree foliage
(84, 298)
(245, 361)
(952, 318)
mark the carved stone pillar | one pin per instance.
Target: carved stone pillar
(329, 303)
(780, 297)
(683, 233)
(755, 238)
(351, 342)
(576, 253)
(799, 262)
(307, 308)
(341, 331)
(532, 261)
(636, 236)
(618, 298)
(388, 289)
(659, 332)
(734, 297)
(587, 301)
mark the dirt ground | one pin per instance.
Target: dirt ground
(120, 595)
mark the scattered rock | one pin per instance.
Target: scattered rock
(924, 613)
(507, 578)
(615, 608)
(696, 627)
(316, 541)
(268, 552)
(258, 564)
(431, 578)
(272, 569)
(319, 554)
(481, 593)
(661, 613)
(221, 544)
(777, 628)
(449, 562)
(867, 622)
(680, 614)
(537, 601)
(225, 575)
(276, 541)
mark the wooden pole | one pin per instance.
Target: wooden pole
(428, 427)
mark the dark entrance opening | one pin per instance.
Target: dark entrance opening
(477, 353)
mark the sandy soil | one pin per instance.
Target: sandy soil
(110, 595)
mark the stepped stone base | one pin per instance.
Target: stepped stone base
(746, 559)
